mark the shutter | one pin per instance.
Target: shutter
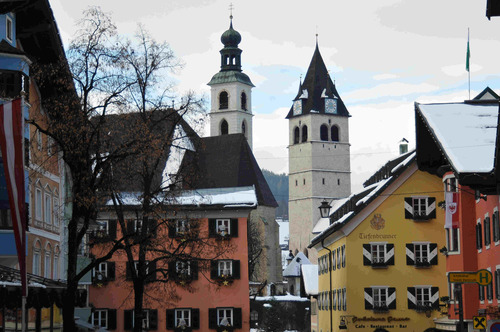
(212, 224)
(127, 319)
(367, 254)
(338, 258)
(128, 272)
(343, 255)
(410, 254)
(496, 227)
(234, 227)
(236, 269)
(112, 229)
(170, 319)
(237, 318)
(153, 319)
(497, 284)
(213, 270)
(433, 253)
(430, 209)
(152, 227)
(389, 254)
(412, 301)
(130, 227)
(195, 319)
(212, 318)
(391, 298)
(172, 271)
(435, 297)
(334, 261)
(111, 271)
(368, 298)
(408, 208)
(194, 270)
(344, 294)
(171, 228)
(111, 319)
(151, 271)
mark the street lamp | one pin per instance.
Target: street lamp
(324, 209)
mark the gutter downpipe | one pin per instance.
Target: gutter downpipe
(330, 277)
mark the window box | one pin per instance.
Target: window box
(184, 272)
(103, 273)
(225, 271)
(223, 229)
(422, 262)
(380, 307)
(423, 306)
(379, 263)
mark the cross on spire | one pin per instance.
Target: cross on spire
(231, 7)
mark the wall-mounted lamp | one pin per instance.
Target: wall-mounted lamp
(324, 209)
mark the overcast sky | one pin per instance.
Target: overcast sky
(383, 55)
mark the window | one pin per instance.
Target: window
(100, 318)
(254, 315)
(39, 140)
(225, 317)
(423, 298)
(380, 298)
(47, 261)
(421, 254)
(244, 129)
(323, 132)
(343, 255)
(36, 262)
(5, 219)
(243, 101)
(489, 290)
(479, 239)
(101, 271)
(38, 204)
(181, 226)
(452, 239)
(182, 318)
(487, 232)
(339, 299)
(149, 270)
(496, 226)
(9, 29)
(56, 267)
(149, 319)
(334, 260)
(55, 211)
(225, 268)
(334, 133)
(304, 133)
(223, 227)
(338, 258)
(378, 254)
(224, 128)
(48, 209)
(497, 282)
(481, 293)
(50, 145)
(344, 295)
(223, 100)
(296, 135)
(451, 185)
(420, 208)
(183, 268)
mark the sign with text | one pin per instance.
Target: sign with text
(482, 277)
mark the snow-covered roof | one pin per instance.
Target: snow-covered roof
(228, 197)
(180, 143)
(293, 269)
(467, 133)
(310, 277)
(287, 298)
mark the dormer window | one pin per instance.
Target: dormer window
(9, 29)
(223, 100)
(243, 101)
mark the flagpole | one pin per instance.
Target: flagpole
(468, 57)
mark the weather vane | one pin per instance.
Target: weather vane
(231, 7)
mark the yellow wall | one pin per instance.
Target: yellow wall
(400, 231)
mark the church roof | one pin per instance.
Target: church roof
(316, 87)
(228, 161)
(223, 77)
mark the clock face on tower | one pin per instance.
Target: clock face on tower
(297, 107)
(331, 106)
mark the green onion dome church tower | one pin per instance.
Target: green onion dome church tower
(318, 152)
(231, 91)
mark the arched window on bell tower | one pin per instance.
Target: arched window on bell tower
(296, 135)
(223, 100)
(244, 128)
(244, 101)
(224, 128)
(304, 133)
(323, 132)
(335, 133)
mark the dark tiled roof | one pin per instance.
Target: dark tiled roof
(316, 81)
(228, 161)
(7, 48)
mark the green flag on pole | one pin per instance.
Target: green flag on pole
(468, 56)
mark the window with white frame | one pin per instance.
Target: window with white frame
(453, 239)
(39, 140)
(495, 223)
(183, 268)
(101, 270)
(225, 268)
(489, 290)
(423, 296)
(419, 206)
(479, 235)
(225, 316)
(497, 282)
(343, 255)
(100, 318)
(36, 261)
(223, 226)
(181, 226)
(48, 209)
(379, 297)
(38, 204)
(344, 295)
(421, 251)
(340, 298)
(56, 267)
(378, 253)
(145, 319)
(487, 231)
(182, 318)
(102, 230)
(9, 29)
(47, 261)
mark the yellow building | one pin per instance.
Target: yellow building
(378, 256)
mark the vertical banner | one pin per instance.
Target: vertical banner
(11, 143)
(452, 210)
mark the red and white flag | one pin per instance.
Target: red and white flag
(11, 143)
(452, 210)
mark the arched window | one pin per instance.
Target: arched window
(296, 135)
(272, 290)
(224, 128)
(243, 101)
(304, 133)
(47, 261)
(335, 133)
(244, 128)
(223, 100)
(37, 249)
(323, 132)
